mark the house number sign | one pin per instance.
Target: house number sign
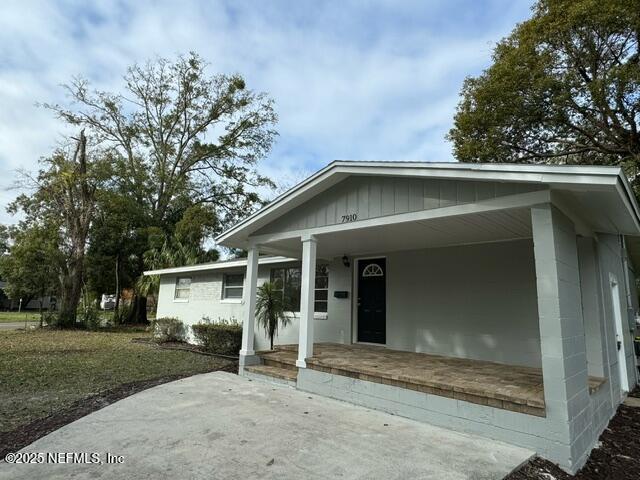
(351, 217)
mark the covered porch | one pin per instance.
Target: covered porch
(509, 387)
(477, 283)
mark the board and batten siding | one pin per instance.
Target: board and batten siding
(371, 197)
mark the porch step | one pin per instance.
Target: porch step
(280, 375)
(283, 359)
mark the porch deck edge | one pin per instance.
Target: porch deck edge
(490, 399)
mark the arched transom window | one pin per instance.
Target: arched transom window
(372, 270)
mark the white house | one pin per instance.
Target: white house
(493, 299)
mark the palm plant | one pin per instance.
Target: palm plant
(271, 309)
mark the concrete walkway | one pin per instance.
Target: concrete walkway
(17, 325)
(221, 426)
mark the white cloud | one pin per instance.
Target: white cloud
(360, 80)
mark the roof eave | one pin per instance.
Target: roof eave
(548, 174)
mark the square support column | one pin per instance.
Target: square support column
(562, 334)
(307, 300)
(247, 352)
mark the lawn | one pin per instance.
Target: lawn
(11, 317)
(44, 371)
(34, 316)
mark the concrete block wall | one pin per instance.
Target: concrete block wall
(610, 261)
(562, 337)
(592, 308)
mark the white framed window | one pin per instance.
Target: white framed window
(289, 280)
(372, 270)
(183, 288)
(322, 289)
(232, 286)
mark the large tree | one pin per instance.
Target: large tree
(63, 197)
(563, 87)
(180, 137)
(184, 145)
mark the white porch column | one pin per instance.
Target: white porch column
(307, 300)
(247, 353)
(562, 334)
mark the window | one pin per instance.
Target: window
(322, 288)
(183, 288)
(372, 270)
(232, 285)
(288, 280)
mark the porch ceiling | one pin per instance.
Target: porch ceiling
(482, 227)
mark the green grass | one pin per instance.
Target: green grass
(10, 317)
(46, 370)
(34, 316)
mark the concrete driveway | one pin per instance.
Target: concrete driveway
(221, 426)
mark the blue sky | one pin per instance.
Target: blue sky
(374, 80)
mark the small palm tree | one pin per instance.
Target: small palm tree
(271, 309)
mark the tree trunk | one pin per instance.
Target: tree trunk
(117, 305)
(138, 313)
(79, 204)
(71, 291)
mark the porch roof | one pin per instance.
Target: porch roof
(601, 195)
(220, 265)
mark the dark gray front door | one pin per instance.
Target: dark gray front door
(372, 300)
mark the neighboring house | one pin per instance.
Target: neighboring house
(6, 303)
(503, 296)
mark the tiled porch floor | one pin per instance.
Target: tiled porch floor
(497, 385)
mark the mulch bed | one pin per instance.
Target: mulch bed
(616, 458)
(29, 433)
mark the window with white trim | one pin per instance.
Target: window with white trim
(322, 289)
(183, 288)
(232, 285)
(288, 281)
(372, 270)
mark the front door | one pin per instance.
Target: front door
(372, 301)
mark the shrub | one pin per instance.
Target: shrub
(223, 338)
(121, 315)
(90, 318)
(167, 329)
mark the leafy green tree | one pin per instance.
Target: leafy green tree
(197, 223)
(116, 236)
(63, 197)
(4, 239)
(564, 87)
(180, 137)
(184, 147)
(271, 309)
(33, 263)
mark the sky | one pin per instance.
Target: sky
(351, 80)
